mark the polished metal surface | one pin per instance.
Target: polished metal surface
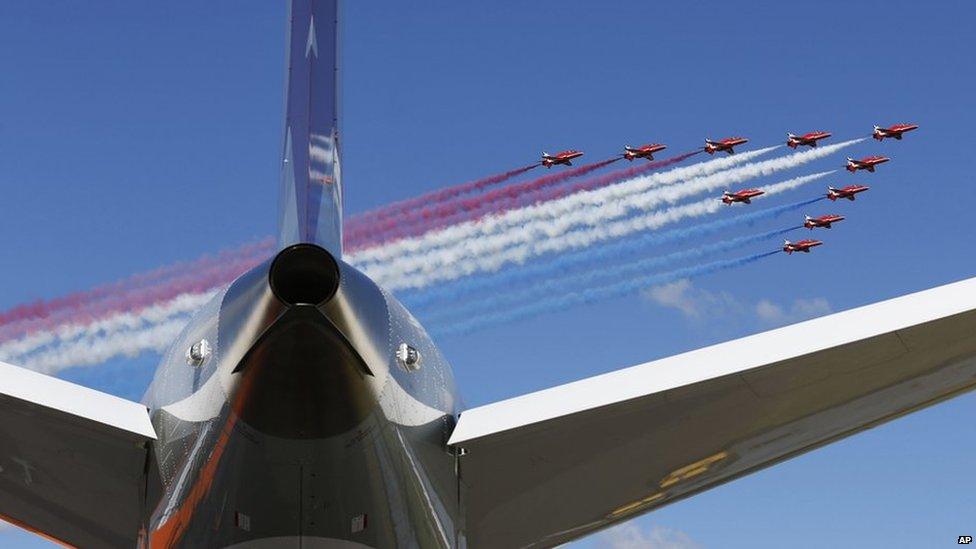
(302, 419)
(310, 205)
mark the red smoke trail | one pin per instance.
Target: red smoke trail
(133, 294)
(520, 197)
(424, 219)
(138, 291)
(42, 309)
(365, 219)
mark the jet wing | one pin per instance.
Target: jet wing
(545, 468)
(73, 461)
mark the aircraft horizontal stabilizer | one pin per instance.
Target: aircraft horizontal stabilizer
(581, 456)
(73, 460)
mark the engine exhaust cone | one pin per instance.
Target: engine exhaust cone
(304, 274)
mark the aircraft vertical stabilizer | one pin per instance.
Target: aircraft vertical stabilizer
(310, 207)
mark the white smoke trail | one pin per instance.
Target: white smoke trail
(93, 350)
(156, 326)
(520, 216)
(552, 220)
(16, 350)
(574, 239)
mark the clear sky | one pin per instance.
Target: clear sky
(135, 135)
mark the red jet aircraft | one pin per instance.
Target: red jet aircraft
(822, 221)
(867, 163)
(794, 141)
(550, 160)
(644, 151)
(745, 195)
(893, 131)
(847, 192)
(801, 246)
(711, 147)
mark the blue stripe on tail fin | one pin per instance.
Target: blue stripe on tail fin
(310, 206)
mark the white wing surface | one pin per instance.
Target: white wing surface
(73, 461)
(544, 468)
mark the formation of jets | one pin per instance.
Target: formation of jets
(867, 163)
(745, 196)
(849, 192)
(564, 157)
(711, 147)
(809, 139)
(644, 151)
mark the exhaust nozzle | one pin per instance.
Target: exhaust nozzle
(304, 274)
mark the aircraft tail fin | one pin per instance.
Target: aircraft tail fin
(310, 205)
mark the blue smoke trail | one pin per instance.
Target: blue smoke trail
(597, 275)
(590, 295)
(418, 300)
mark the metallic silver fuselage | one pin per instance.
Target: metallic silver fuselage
(301, 428)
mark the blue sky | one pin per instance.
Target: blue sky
(133, 136)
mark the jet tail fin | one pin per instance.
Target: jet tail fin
(310, 206)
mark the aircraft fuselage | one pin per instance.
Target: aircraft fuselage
(302, 427)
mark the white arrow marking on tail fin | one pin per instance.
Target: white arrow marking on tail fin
(312, 45)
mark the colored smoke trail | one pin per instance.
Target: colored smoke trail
(82, 307)
(591, 295)
(516, 218)
(536, 196)
(156, 337)
(552, 219)
(21, 315)
(426, 219)
(464, 261)
(71, 321)
(557, 265)
(121, 311)
(604, 180)
(94, 350)
(596, 273)
(365, 219)
(17, 350)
